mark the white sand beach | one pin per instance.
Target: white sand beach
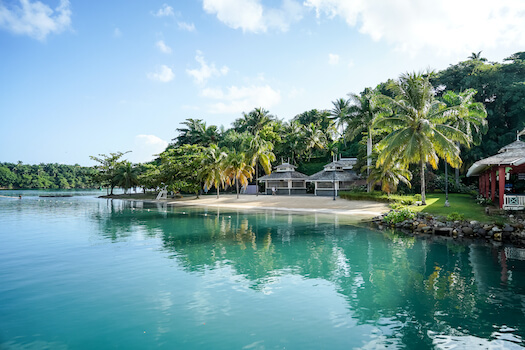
(308, 203)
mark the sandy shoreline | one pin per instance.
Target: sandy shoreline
(326, 205)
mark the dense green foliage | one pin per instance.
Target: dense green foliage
(45, 176)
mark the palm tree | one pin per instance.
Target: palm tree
(212, 171)
(126, 176)
(314, 138)
(476, 56)
(261, 152)
(238, 169)
(420, 131)
(470, 116)
(254, 121)
(363, 111)
(340, 114)
(197, 132)
(390, 175)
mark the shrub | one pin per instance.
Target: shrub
(455, 216)
(396, 216)
(417, 197)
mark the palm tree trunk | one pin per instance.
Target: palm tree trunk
(237, 186)
(256, 179)
(368, 159)
(217, 187)
(423, 197)
(457, 169)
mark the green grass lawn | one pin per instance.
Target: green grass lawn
(459, 203)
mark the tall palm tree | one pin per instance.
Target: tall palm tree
(340, 114)
(212, 172)
(238, 169)
(421, 133)
(261, 153)
(197, 132)
(362, 112)
(470, 116)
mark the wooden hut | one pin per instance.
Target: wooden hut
(499, 169)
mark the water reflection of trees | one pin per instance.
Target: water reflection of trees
(423, 286)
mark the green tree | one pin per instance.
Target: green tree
(389, 175)
(126, 176)
(254, 121)
(420, 134)
(213, 165)
(260, 152)
(360, 116)
(238, 169)
(107, 168)
(180, 168)
(469, 117)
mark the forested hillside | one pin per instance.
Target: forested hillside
(44, 176)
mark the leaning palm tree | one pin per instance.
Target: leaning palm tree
(212, 172)
(363, 111)
(315, 137)
(421, 133)
(261, 153)
(238, 169)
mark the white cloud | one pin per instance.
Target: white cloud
(333, 59)
(163, 47)
(239, 99)
(165, 11)
(35, 19)
(146, 147)
(165, 74)
(190, 27)
(206, 70)
(251, 16)
(446, 26)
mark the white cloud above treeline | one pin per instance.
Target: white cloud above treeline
(252, 16)
(35, 19)
(164, 74)
(236, 99)
(161, 45)
(206, 71)
(446, 26)
(146, 147)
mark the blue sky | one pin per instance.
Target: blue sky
(80, 78)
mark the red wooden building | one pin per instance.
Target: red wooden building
(496, 170)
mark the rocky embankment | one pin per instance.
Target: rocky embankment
(512, 232)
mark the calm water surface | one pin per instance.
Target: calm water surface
(88, 273)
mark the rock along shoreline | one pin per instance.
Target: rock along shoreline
(512, 233)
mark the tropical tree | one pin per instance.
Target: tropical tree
(212, 172)
(360, 116)
(126, 176)
(197, 132)
(389, 175)
(260, 152)
(314, 137)
(420, 130)
(238, 169)
(340, 114)
(254, 121)
(470, 116)
(107, 167)
(180, 168)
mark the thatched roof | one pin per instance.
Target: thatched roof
(512, 154)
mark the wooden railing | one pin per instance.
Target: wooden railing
(513, 202)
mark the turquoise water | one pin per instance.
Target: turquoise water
(88, 273)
